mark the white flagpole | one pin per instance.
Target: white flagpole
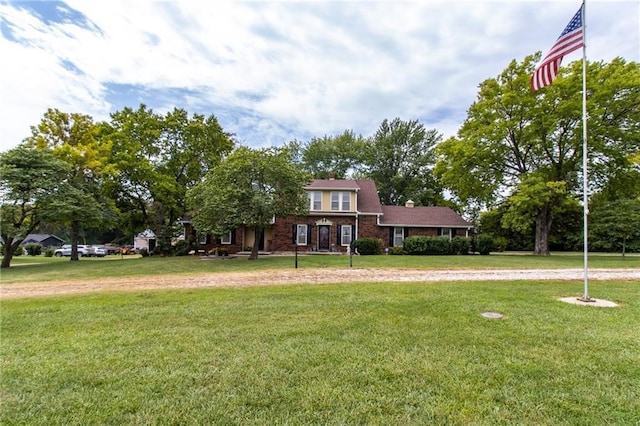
(585, 194)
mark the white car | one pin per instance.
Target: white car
(97, 251)
(65, 250)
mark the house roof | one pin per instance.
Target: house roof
(334, 184)
(442, 217)
(41, 237)
(368, 199)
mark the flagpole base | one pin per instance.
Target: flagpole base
(586, 299)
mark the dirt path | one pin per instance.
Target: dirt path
(305, 276)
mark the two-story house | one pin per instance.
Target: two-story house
(341, 211)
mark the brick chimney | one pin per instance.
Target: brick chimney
(409, 204)
(332, 176)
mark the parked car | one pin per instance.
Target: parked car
(97, 251)
(65, 250)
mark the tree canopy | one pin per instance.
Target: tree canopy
(159, 158)
(513, 137)
(73, 138)
(249, 188)
(29, 179)
(400, 157)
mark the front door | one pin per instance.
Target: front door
(323, 237)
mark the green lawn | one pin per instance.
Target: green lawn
(334, 354)
(42, 269)
(374, 354)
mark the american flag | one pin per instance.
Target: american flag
(572, 38)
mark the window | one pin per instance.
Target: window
(346, 201)
(345, 237)
(301, 235)
(398, 237)
(315, 200)
(340, 201)
(225, 238)
(445, 232)
(335, 201)
(202, 239)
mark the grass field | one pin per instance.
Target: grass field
(44, 269)
(368, 353)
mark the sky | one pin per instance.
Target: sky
(276, 71)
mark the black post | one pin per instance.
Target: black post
(296, 255)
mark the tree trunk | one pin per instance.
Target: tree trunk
(7, 252)
(257, 232)
(544, 218)
(75, 232)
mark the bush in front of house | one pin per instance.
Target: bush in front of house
(421, 245)
(484, 244)
(460, 245)
(368, 246)
(182, 248)
(397, 251)
(49, 252)
(33, 249)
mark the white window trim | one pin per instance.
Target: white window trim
(301, 234)
(446, 234)
(341, 204)
(202, 239)
(313, 200)
(343, 235)
(396, 242)
(226, 239)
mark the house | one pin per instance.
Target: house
(45, 240)
(341, 211)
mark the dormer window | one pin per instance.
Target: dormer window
(315, 200)
(341, 201)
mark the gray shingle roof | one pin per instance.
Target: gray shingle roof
(442, 217)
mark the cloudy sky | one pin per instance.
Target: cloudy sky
(275, 71)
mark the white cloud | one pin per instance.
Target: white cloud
(276, 71)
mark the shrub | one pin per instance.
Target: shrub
(49, 251)
(182, 248)
(144, 252)
(484, 244)
(398, 251)
(460, 245)
(500, 243)
(421, 245)
(33, 249)
(368, 246)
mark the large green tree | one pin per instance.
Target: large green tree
(400, 157)
(28, 181)
(249, 188)
(159, 158)
(615, 223)
(80, 201)
(339, 155)
(513, 137)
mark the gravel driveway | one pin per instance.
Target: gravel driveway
(307, 276)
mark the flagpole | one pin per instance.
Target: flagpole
(585, 194)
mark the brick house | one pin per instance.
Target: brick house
(340, 211)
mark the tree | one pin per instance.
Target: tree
(512, 135)
(617, 222)
(339, 155)
(249, 188)
(399, 158)
(160, 158)
(28, 180)
(73, 138)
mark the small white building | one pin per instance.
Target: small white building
(145, 240)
